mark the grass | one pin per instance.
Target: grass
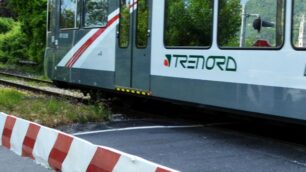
(48, 111)
(34, 70)
(9, 98)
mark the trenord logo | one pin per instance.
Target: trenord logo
(167, 61)
(199, 62)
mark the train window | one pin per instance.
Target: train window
(124, 25)
(188, 23)
(251, 23)
(95, 13)
(142, 24)
(69, 15)
(299, 24)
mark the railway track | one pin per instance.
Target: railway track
(25, 78)
(37, 89)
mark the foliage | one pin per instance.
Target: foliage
(188, 23)
(67, 18)
(96, 13)
(124, 25)
(5, 24)
(12, 44)
(49, 111)
(32, 16)
(230, 22)
(9, 98)
(142, 23)
(4, 11)
(229, 26)
(268, 12)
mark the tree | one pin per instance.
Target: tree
(124, 25)
(96, 13)
(32, 15)
(189, 22)
(229, 22)
(142, 23)
(271, 11)
(4, 11)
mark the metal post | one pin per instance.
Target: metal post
(301, 32)
(279, 22)
(243, 26)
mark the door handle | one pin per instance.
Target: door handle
(148, 33)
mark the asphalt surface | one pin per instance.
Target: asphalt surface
(208, 148)
(214, 146)
(10, 162)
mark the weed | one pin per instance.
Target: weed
(10, 98)
(49, 111)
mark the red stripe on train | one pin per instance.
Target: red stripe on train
(161, 170)
(84, 47)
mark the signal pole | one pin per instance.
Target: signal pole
(279, 22)
(301, 32)
(243, 25)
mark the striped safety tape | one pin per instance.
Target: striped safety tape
(63, 152)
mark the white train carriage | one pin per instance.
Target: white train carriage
(246, 55)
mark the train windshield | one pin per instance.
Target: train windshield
(251, 23)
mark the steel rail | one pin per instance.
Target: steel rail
(25, 78)
(41, 91)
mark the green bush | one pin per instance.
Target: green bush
(32, 16)
(5, 24)
(24, 37)
(13, 45)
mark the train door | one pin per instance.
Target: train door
(133, 52)
(52, 20)
(52, 37)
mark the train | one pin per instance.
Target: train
(244, 55)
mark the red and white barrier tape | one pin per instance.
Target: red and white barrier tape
(63, 152)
